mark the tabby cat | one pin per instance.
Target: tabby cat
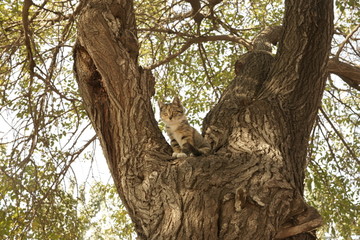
(185, 140)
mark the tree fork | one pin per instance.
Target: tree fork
(251, 186)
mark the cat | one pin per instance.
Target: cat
(185, 140)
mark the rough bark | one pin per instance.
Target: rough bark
(297, 79)
(250, 187)
(271, 35)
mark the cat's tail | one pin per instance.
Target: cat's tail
(188, 149)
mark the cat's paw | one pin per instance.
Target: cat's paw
(179, 155)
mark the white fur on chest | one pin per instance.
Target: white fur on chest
(178, 137)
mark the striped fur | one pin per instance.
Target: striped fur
(185, 140)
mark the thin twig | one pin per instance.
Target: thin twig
(165, 30)
(191, 41)
(26, 23)
(339, 135)
(342, 45)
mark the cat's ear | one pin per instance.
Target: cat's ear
(177, 100)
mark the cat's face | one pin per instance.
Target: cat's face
(173, 112)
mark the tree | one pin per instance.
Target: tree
(252, 185)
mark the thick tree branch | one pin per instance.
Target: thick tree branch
(299, 54)
(116, 94)
(298, 76)
(196, 7)
(268, 37)
(305, 222)
(114, 82)
(350, 74)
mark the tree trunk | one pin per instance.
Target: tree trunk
(251, 186)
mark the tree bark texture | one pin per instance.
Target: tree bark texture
(251, 186)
